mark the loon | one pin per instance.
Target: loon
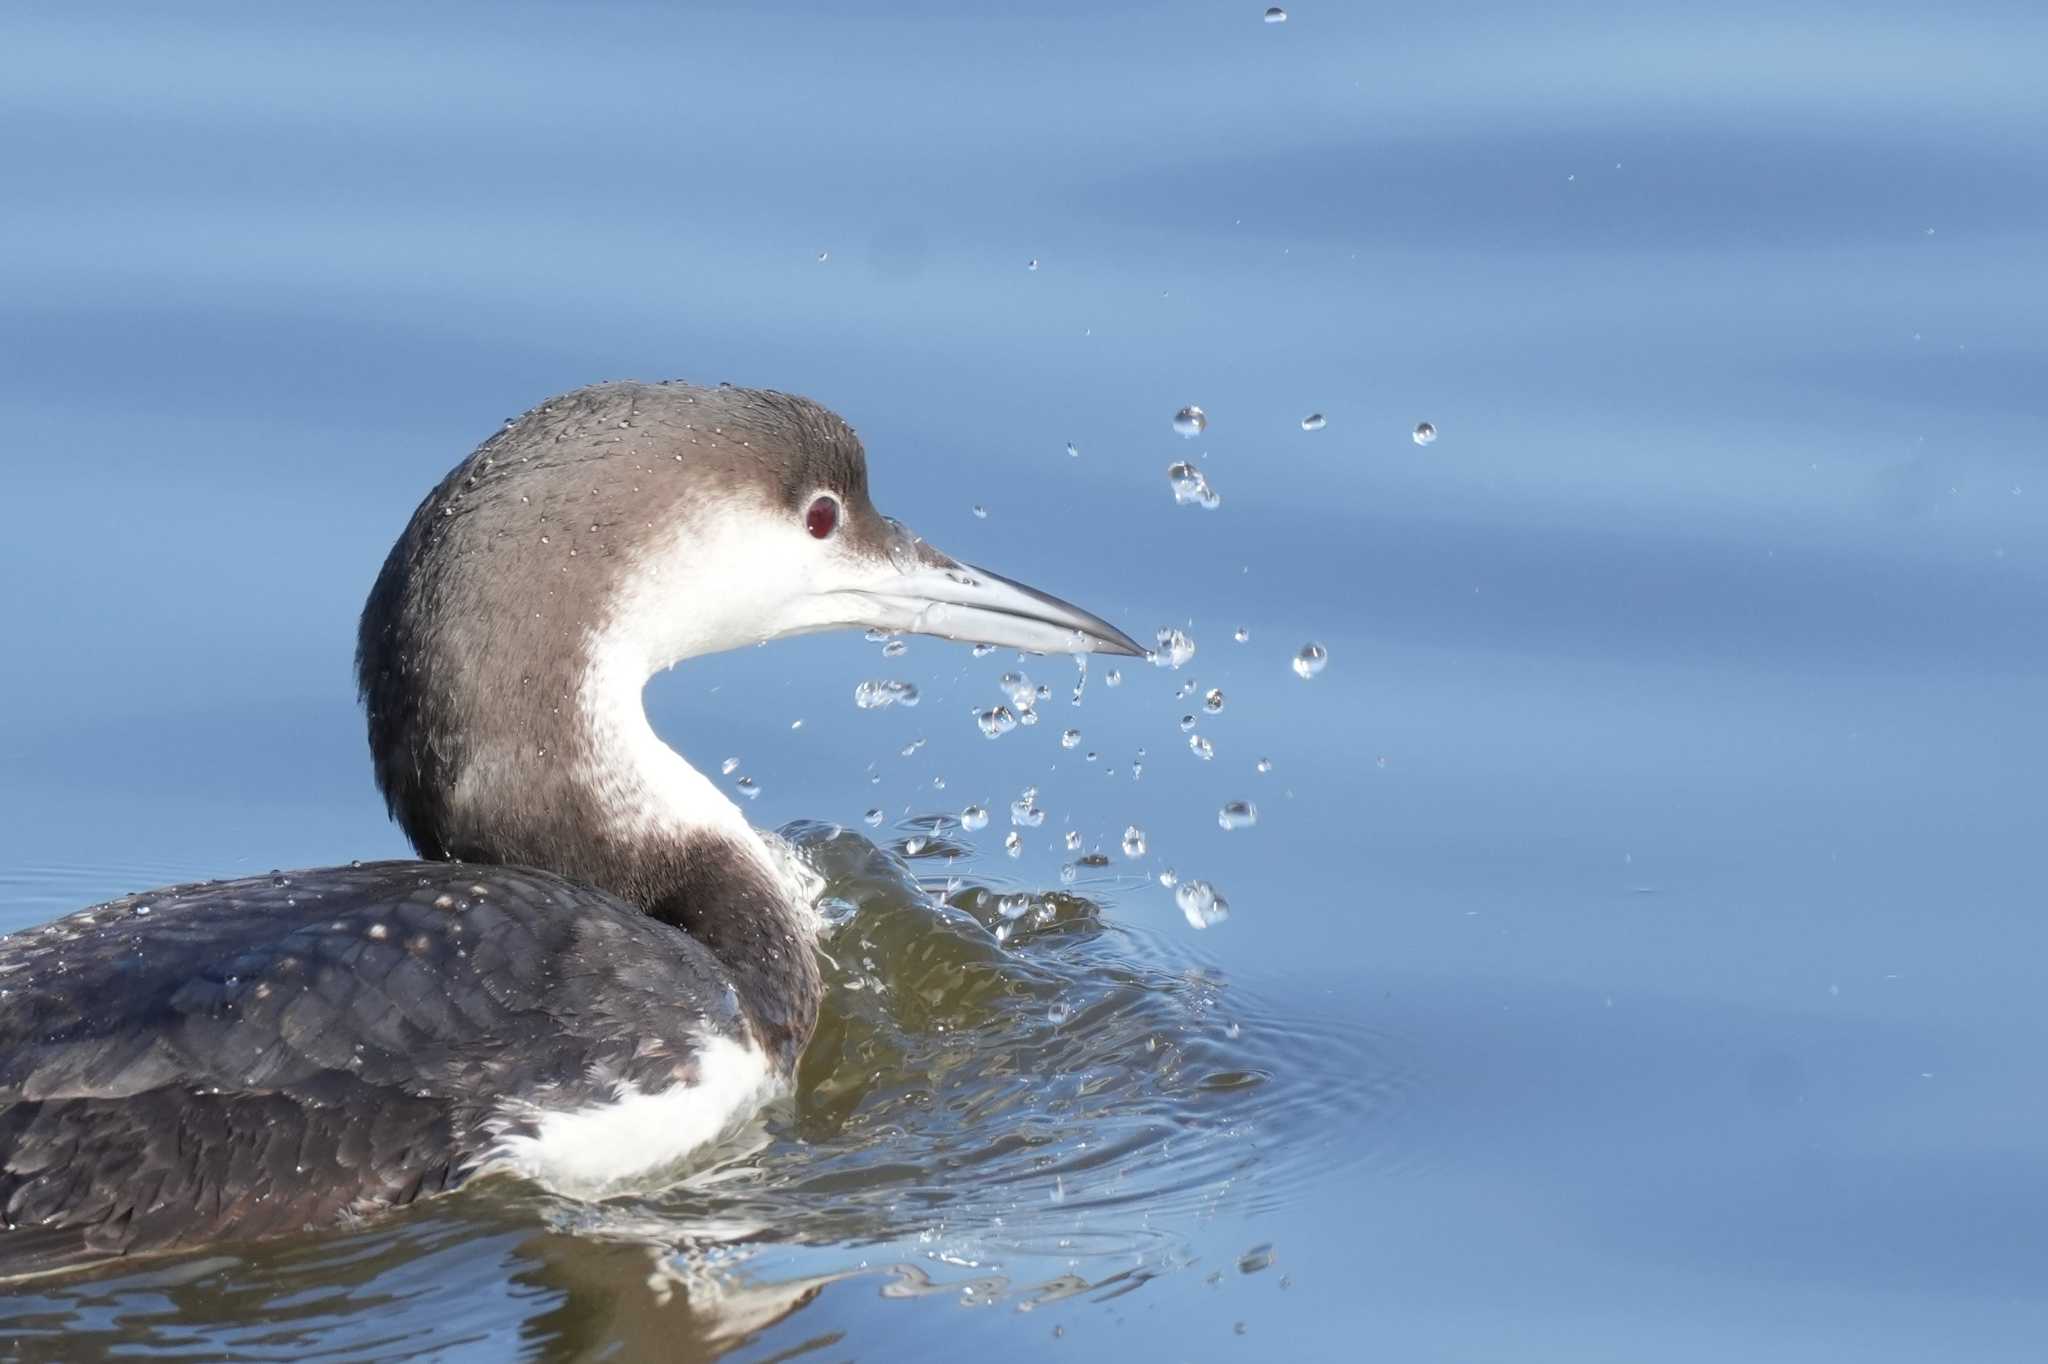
(597, 966)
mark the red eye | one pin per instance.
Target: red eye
(823, 518)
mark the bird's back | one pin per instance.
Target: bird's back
(240, 1058)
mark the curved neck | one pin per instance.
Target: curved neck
(685, 854)
(560, 769)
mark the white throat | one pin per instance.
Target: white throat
(648, 790)
(645, 786)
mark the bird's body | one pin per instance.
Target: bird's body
(330, 1042)
(599, 969)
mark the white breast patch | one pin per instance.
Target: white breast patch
(607, 1146)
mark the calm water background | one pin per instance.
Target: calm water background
(1670, 813)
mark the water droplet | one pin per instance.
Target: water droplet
(1012, 844)
(1424, 433)
(1200, 903)
(914, 845)
(973, 817)
(1257, 1258)
(1113, 678)
(748, 787)
(1242, 634)
(1013, 906)
(1167, 878)
(1073, 840)
(1265, 764)
(1191, 421)
(873, 817)
(1213, 702)
(894, 649)
(1023, 695)
(1071, 738)
(1059, 1013)
(1031, 264)
(729, 766)
(1238, 814)
(879, 693)
(1187, 722)
(824, 256)
(1314, 421)
(1175, 647)
(1191, 485)
(996, 721)
(1073, 450)
(1134, 841)
(1276, 15)
(1310, 660)
(983, 650)
(910, 748)
(980, 512)
(1201, 747)
(1026, 813)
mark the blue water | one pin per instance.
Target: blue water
(1669, 815)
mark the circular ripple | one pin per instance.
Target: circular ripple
(941, 1094)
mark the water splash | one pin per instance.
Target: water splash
(879, 693)
(1191, 485)
(1200, 904)
(1175, 647)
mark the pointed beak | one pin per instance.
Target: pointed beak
(930, 593)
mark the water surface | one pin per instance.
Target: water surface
(1637, 952)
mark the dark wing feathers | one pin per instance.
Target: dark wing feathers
(249, 1057)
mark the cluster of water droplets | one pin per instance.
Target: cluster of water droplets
(1025, 811)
